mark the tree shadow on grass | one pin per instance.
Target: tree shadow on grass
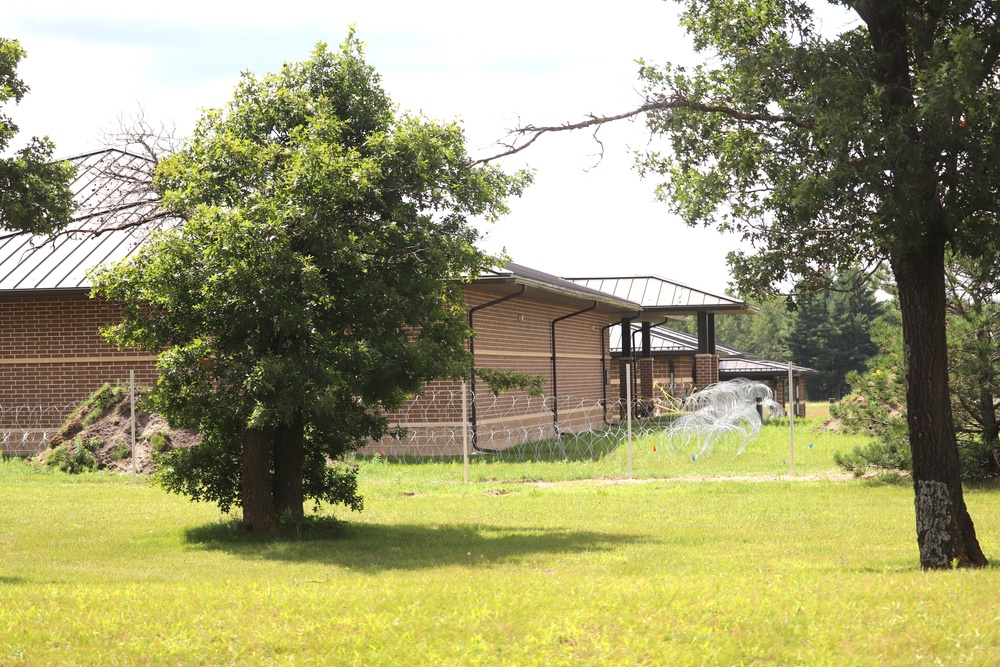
(366, 546)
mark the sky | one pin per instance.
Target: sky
(491, 65)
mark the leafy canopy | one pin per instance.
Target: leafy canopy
(312, 285)
(819, 151)
(34, 192)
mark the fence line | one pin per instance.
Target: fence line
(518, 427)
(513, 428)
(26, 430)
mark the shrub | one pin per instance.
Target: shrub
(75, 458)
(159, 442)
(120, 451)
(978, 460)
(879, 455)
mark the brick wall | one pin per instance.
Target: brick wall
(52, 355)
(706, 370)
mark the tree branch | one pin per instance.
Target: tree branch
(529, 134)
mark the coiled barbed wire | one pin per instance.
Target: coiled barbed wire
(726, 412)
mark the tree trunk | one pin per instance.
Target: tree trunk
(945, 532)
(258, 503)
(289, 453)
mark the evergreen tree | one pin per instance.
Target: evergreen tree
(877, 402)
(832, 334)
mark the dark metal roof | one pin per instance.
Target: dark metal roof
(666, 341)
(751, 367)
(111, 195)
(659, 295)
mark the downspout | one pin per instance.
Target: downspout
(604, 375)
(472, 353)
(555, 390)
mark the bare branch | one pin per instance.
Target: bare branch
(113, 189)
(521, 137)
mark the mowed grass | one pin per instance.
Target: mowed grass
(96, 570)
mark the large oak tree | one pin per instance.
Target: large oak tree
(311, 287)
(877, 144)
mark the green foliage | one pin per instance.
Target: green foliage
(877, 404)
(159, 442)
(801, 141)
(500, 381)
(974, 361)
(878, 456)
(103, 400)
(74, 458)
(120, 451)
(832, 333)
(312, 286)
(34, 191)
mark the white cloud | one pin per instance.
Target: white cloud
(488, 63)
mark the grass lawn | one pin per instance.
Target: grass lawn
(95, 570)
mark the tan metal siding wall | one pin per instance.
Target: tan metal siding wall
(516, 335)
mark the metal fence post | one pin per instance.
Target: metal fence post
(628, 413)
(465, 434)
(791, 417)
(131, 400)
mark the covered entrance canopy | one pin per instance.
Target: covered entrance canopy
(664, 300)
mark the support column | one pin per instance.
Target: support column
(706, 370)
(626, 358)
(644, 365)
(623, 386)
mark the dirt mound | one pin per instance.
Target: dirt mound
(98, 435)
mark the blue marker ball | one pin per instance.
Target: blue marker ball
(692, 457)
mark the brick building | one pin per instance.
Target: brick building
(674, 357)
(52, 355)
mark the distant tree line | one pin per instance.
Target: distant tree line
(829, 331)
(877, 405)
